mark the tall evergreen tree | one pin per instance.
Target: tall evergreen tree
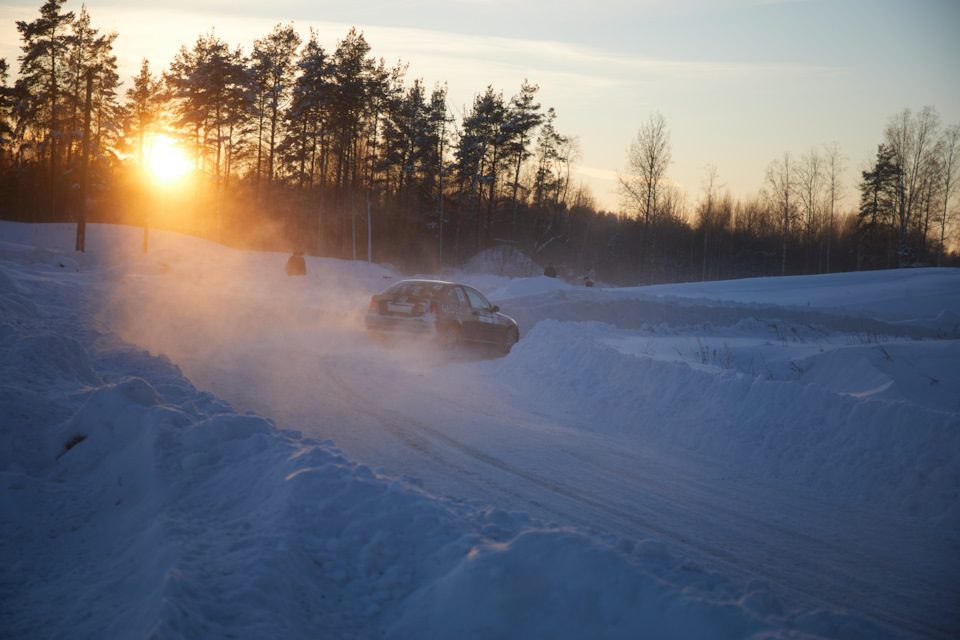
(274, 68)
(6, 121)
(308, 112)
(479, 158)
(880, 189)
(353, 73)
(90, 50)
(208, 89)
(548, 146)
(107, 102)
(46, 45)
(142, 109)
(522, 120)
(554, 153)
(306, 144)
(385, 99)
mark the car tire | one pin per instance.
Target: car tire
(510, 338)
(450, 336)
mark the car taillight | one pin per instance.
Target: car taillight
(373, 303)
(433, 307)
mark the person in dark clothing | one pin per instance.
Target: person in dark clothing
(550, 272)
(296, 265)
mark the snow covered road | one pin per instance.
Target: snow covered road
(796, 446)
(457, 424)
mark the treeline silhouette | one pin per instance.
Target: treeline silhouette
(335, 153)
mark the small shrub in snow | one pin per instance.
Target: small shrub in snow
(722, 357)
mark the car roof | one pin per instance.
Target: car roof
(423, 281)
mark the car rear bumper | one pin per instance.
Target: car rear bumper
(393, 325)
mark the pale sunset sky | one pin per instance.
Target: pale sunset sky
(739, 82)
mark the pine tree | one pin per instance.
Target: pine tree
(46, 44)
(6, 122)
(879, 196)
(142, 109)
(550, 157)
(522, 119)
(91, 51)
(273, 68)
(478, 159)
(208, 88)
(353, 75)
(107, 111)
(307, 113)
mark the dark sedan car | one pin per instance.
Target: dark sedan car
(451, 312)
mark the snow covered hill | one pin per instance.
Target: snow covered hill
(195, 445)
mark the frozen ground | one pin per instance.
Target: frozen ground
(194, 445)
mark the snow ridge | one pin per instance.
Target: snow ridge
(862, 451)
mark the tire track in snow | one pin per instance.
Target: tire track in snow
(793, 546)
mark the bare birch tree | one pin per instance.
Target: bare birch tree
(810, 188)
(648, 157)
(948, 158)
(710, 186)
(782, 180)
(912, 141)
(835, 165)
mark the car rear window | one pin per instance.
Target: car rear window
(418, 289)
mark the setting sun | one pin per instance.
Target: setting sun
(167, 161)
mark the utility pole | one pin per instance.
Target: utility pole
(84, 168)
(443, 132)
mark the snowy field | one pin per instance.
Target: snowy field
(193, 445)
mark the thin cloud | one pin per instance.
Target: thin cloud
(598, 174)
(582, 61)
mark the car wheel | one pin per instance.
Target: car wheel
(450, 336)
(510, 338)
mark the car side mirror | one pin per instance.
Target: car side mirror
(495, 308)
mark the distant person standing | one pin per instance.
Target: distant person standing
(590, 277)
(550, 272)
(296, 265)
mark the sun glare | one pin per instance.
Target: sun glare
(167, 160)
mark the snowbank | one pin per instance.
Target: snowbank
(894, 456)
